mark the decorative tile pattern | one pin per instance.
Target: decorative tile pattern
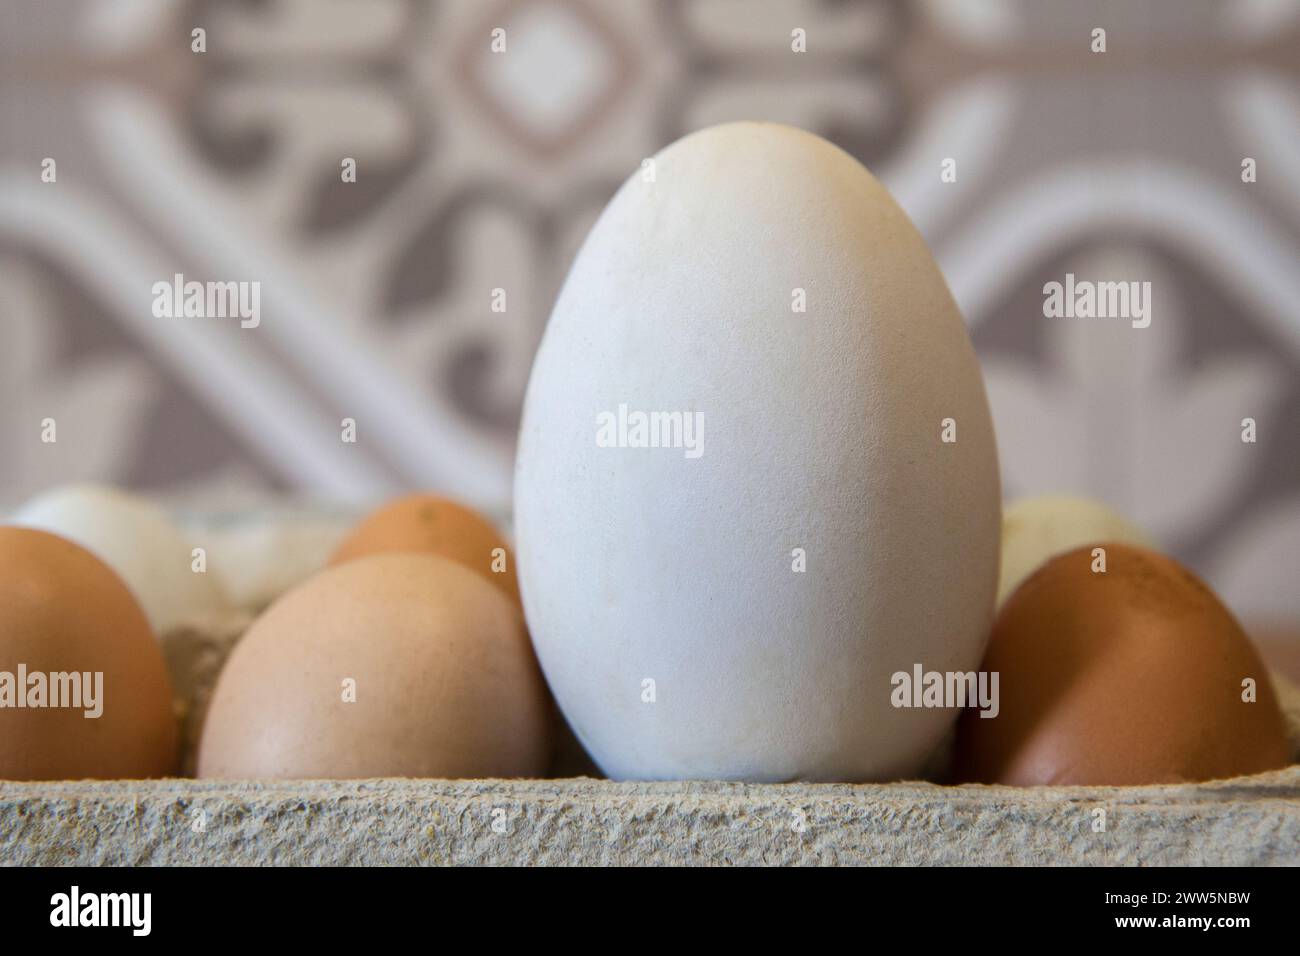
(481, 170)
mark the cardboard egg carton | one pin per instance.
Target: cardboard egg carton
(576, 819)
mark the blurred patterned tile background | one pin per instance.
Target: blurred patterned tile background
(479, 170)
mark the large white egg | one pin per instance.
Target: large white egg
(1037, 529)
(757, 276)
(139, 541)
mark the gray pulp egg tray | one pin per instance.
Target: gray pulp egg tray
(581, 820)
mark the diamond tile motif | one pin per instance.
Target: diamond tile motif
(552, 74)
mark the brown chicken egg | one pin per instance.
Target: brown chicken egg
(84, 690)
(423, 522)
(390, 665)
(1133, 675)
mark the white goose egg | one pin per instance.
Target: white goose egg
(757, 474)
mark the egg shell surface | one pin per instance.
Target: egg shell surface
(64, 615)
(443, 681)
(1124, 677)
(423, 522)
(764, 287)
(1037, 529)
(139, 541)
